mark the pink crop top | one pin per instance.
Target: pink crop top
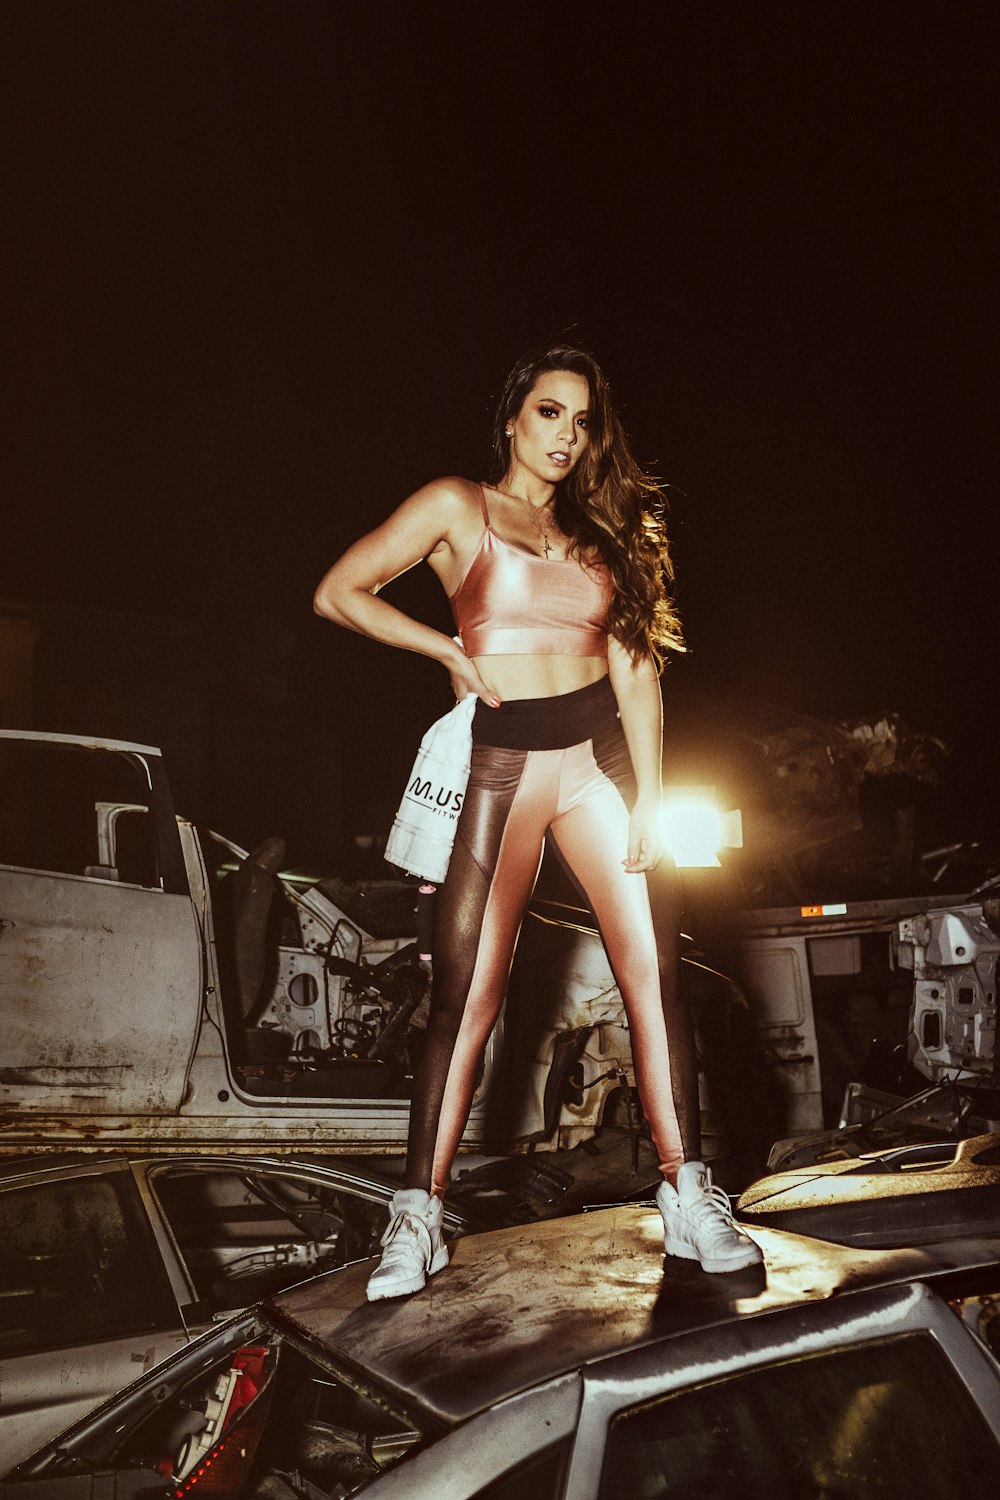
(514, 603)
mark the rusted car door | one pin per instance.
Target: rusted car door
(100, 951)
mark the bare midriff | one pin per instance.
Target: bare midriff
(540, 676)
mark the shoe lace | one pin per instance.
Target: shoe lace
(714, 1204)
(408, 1221)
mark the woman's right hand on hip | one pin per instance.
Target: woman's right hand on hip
(465, 679)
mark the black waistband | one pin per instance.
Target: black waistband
(547, 723)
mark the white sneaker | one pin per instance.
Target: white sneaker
(698, 1222)
(414, 1246)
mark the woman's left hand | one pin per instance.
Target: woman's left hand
(645, 836)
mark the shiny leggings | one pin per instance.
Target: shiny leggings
(579, 795)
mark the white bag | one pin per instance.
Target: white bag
(423, 833)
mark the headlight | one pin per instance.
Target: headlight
(695, 828)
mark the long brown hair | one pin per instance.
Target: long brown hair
(606, 502)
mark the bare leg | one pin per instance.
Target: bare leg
(611, 765)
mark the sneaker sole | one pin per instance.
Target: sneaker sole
(750, 1256)
(382, 1293)
(678, 1248)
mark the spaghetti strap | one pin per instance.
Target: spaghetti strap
(486, 514)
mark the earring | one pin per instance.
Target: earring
(509, 431)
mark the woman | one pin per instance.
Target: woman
(555, 573)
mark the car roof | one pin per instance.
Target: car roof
(520, 1306)
(15, 1168)
(361, 1177)
(41, 1163)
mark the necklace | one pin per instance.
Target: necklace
(543, 535)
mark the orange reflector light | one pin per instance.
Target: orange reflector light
(834, 909)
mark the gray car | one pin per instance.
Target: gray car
(108, 1265)
(566, 1360)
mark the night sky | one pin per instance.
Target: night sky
(267, 264)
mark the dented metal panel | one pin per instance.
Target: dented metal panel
(81, 1377)
(101, 987)
(953, 954)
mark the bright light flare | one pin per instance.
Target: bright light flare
(694, 829)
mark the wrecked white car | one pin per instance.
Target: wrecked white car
(161, 984)
(144, 998)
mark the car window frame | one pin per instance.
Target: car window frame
(332, 1178)
(164, 832)
(614, 1386)
(149, 1174)
(142, 1230)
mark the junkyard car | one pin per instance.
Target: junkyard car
(109, 1265)
(161, 984)
(908, 1195)
(867, 1003)
(567, 1361)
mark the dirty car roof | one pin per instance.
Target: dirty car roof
(520, 1306)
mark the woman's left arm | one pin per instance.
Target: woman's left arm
(637, 688)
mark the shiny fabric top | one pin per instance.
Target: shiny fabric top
(512, 602)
